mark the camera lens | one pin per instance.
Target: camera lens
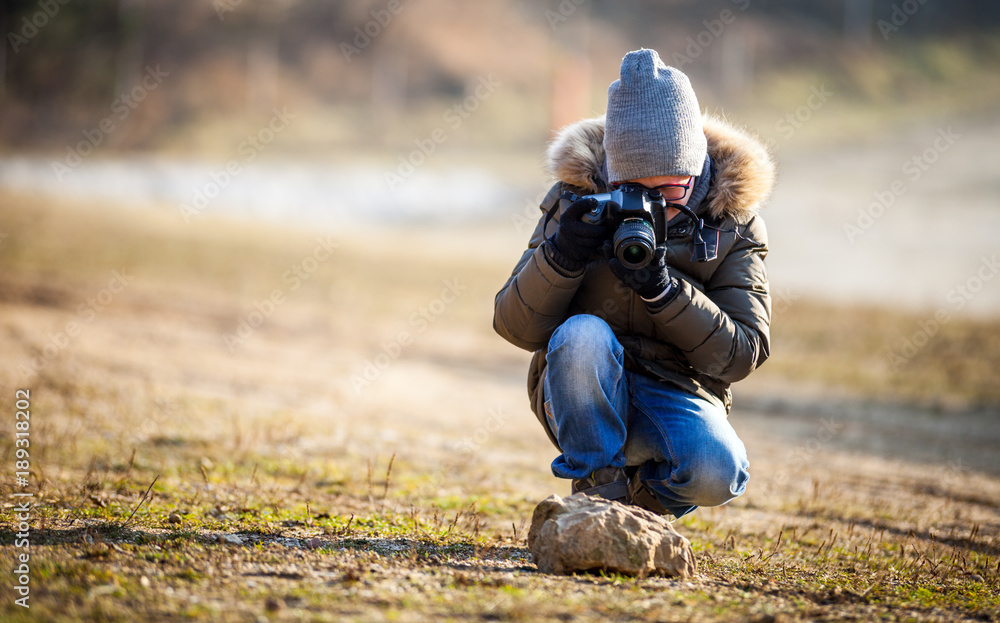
(634, 243)
(634, 254)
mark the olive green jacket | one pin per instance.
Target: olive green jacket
(713, 331)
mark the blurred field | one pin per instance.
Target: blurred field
(325, 422)
(369, 454)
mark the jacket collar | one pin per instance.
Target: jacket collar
(742, 171)
(702, 184)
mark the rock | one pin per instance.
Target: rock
(586, 533)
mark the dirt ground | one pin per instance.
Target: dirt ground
(366, 452)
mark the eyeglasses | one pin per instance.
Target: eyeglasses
(670, 192)
(675, 192)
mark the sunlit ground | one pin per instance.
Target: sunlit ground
(335, 432)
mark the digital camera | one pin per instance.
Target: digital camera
(632, 211)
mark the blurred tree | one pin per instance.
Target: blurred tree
(858, 22)
(61, 72)
(131, 39)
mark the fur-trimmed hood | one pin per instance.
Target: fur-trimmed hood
(744, 171)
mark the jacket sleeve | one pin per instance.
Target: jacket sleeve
(724, 331)
(536, 298)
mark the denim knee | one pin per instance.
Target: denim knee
(717, 482)
(581, 335)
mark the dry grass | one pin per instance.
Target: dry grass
(861, 350)
(395, 500)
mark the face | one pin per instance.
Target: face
(675, 188)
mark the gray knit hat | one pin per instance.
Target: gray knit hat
(653, 124)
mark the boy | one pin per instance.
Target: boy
(632, 366)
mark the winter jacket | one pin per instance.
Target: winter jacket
(714, 329)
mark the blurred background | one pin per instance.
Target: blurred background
(437, 110)
(204, 145)
(249, 251)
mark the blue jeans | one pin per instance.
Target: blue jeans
(686, 451)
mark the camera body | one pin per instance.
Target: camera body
(634, 213)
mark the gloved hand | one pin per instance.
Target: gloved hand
(577, 242)
(648, 282)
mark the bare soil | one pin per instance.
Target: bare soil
(366, 451)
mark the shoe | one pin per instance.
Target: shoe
(640, 495)
(610, 483)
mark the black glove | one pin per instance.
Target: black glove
(575, 242)
(648, 282)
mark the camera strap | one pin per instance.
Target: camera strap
(706, 242)
(705, 239)
(706, 236)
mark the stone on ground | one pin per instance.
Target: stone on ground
(587, 533)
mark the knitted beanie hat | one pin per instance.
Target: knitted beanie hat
(653, 123)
